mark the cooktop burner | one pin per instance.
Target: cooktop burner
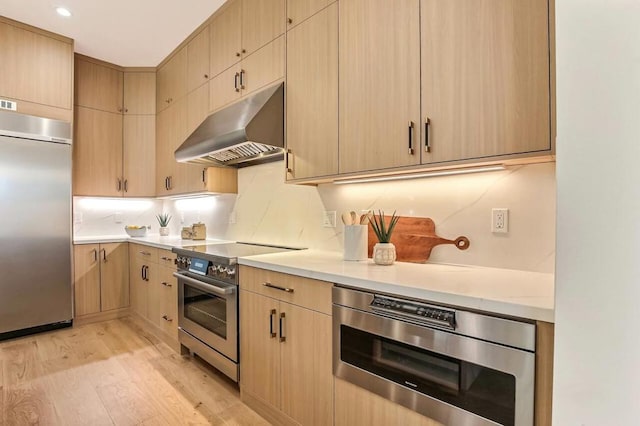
(227, 253)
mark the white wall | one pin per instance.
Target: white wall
(597, 358)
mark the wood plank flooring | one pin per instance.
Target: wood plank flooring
(112, 373)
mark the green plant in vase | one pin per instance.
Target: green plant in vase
(384, 252)
(163, 220)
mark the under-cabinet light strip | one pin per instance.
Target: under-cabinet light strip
(422, 175)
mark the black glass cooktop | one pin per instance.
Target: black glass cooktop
(228, 252)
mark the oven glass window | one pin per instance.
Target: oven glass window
(205, 309)
(486, 392)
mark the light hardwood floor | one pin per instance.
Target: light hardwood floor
(111, 373)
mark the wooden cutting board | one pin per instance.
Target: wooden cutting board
(414, 238)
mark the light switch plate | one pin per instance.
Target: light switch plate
(117, 217)
(329, 219)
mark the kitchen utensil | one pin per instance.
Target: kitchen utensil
(354, 218)
(364, 219)
(346, 218)
(414, 238)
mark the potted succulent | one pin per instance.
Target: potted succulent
(163, 220)
(384, 252)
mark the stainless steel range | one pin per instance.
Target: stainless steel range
(208, 301)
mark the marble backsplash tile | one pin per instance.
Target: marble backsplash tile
(266, 210)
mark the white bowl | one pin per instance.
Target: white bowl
(136, 232)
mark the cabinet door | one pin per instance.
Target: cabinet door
(299, 10)
(165, 160)
(225, 36)
(224, 88)
(35, 68)
(86, 268)
(379, 84)
(139, 162)
(198, 60)
(139, 92)
(98, 86)
(169, 290)
(312, 96)
(264, 67)
(97, 153)
(172, 80)
(114, 276)
(186, 177)
(306, 359)
(139, 287)
(155, 307)
(262, 21)
(259, 348)
(485, 77)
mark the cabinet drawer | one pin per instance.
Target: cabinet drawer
(148, 254)
(305, 292)
(167, 258)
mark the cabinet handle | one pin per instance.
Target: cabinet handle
(119, 109)
(235, 82)
(170, 180)
(290, 21)
(244, 51)
(427, 145)
(170, 100)
(166, 284)
(242, 79)
(126, 110)
(119, 185)
(142, 273)
(272, 316)
(238, 54)
(276, 287)
(286, 161)
(283, 338)
(145, 253)
(166, 318)
(206, 76)
(204, 176)
(95, 255)
(104, 255)
(126, 185)
(411, 127)
(167, 100)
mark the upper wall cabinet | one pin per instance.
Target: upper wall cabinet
(172, 80)
(98, 86)
(198, 60)
(243, 27)
(299, 10)
(312, 96)
(485, 78)
(36, 70)
(139, 93)
(379, 84)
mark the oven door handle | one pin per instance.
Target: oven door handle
(222, 291)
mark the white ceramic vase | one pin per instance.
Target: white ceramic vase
(384, 253)
(164, 231)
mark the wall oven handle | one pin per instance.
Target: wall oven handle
(272, 315)
(277, 287)
(222, 291)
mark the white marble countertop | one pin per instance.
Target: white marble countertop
(509, 292)
(166, 243)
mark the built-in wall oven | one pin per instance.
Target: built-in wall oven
(454, 366)
(208, 301)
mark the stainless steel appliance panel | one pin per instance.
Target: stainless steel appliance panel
(35, 236)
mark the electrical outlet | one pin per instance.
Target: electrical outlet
(500, 221)
(117, 216)
(329, 219)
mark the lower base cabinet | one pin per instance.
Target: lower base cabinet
(285, 346)
(101, 279)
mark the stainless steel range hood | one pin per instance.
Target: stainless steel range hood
(248, 132)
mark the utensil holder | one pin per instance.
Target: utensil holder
(355, 242)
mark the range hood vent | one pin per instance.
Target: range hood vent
(248, 132)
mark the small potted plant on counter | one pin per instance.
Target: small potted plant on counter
(384, 252)
(163, 220)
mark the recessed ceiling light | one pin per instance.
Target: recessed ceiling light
(63, 11)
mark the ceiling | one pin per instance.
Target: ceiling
(124, 32)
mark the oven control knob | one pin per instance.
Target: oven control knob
(231, 271)
(188, 262)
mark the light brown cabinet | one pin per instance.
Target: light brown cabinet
(486, 95)
(262, 21)
(225, 42)
(285, 341)
(114, 154)
(101, 280)
(98, 86)
(312, 96)
(379, 84)
(198, 60)
(154, 289)
(172, 80)
(299, 10)
(36, 69)
(254, 72)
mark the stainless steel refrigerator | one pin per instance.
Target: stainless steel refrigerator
(35, 224)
